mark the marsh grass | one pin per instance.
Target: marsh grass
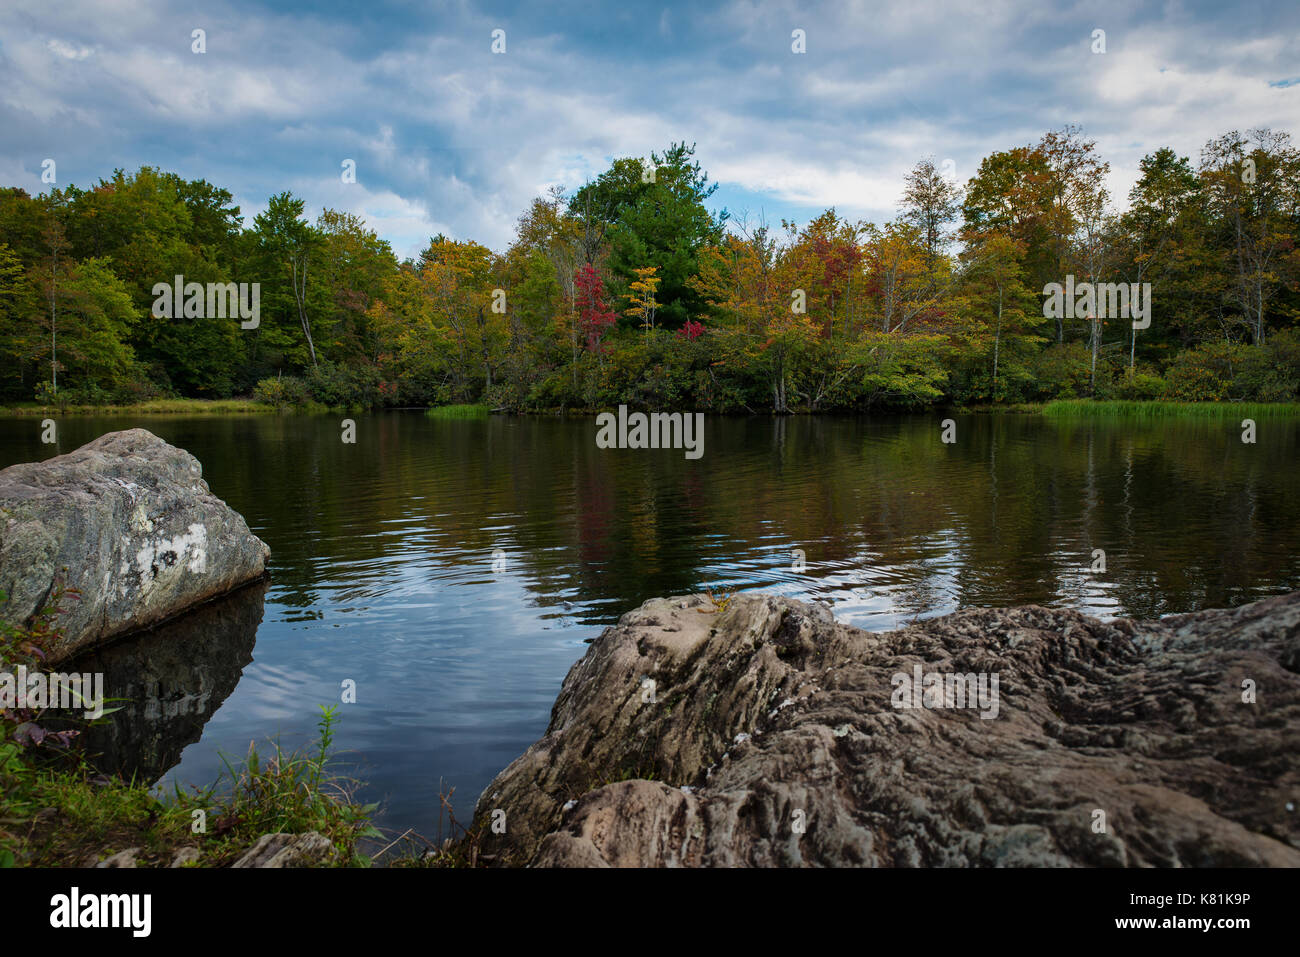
(457, 412)
(1089, 408)
(149, 407)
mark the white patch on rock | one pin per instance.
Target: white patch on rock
(193, 543)
(199, 560)
(784, 704)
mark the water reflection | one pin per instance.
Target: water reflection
(382, 552)
(169, 682)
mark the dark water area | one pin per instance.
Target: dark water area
(454, 570)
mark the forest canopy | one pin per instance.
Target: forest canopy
(630, 290)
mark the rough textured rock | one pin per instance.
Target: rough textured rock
(288, 850)
(128, 521)
(770, 738)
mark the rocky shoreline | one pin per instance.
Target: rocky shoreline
(761, 732)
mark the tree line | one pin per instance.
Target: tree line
(630, 290)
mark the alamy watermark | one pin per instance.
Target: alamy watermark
(64, 692)
(655, 430)
(129, 911)
(215, 300)
(933, 689)
(1103, 300)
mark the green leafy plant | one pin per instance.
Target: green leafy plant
(283, 392)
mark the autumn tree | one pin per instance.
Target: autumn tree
(594, 315)
(1009, 195)
(641, 297)
(1252, 188)
(930, 203)
(763, 322)
(459, 278)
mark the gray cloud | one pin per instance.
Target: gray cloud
(448, 137)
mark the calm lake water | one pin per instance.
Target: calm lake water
(456, 569)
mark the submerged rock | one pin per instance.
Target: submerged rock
(128, 522)
(765, 733)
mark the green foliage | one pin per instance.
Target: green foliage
(1061, 371)
(828, 315)
(1218, 371)
(654, 371)
(283, 392)
(291, 792)
(340, 386)
(1209, 372)
(902, 372)
(1136, 384)
(1234, 411)
(662, 223)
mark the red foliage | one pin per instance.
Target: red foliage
(691, 331)
(594, 315)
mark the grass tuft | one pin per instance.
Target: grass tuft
(1091, 408)
(458, 412)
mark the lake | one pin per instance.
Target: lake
(455, 570)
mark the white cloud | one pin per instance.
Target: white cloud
(67, 50)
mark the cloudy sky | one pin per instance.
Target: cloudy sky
(449, 136)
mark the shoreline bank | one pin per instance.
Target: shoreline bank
(1057, 408)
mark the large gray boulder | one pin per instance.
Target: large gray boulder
(765, 733)
(128, 522)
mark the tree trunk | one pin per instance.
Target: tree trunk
(300, 295)
(778, 389)
(483, 347)
(997, 345)
(54, 322)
